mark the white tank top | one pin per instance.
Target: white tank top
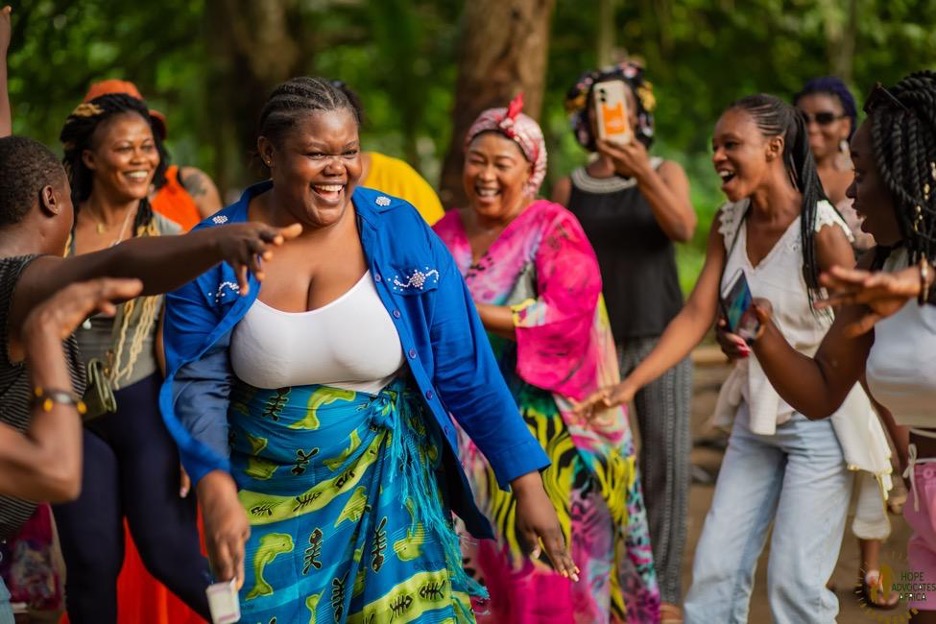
(901, 368)
(349, 343)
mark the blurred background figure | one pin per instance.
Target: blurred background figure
(633, 207)
(831, 119)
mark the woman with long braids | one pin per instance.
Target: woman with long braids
(831, 120)
(314, 413)
(131, 468)
(879, 331)
(779, 231)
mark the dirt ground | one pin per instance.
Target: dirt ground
(710, 371)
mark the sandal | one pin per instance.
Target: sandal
(870, 592)
(670, 614)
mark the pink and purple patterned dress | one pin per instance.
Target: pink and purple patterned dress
(544, 268)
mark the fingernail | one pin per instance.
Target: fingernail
(575, 577)
(183, 492)
(535, 553)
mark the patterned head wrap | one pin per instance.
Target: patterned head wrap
(578, 99)
(520, 128)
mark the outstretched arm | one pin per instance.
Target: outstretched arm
(162, 263)
(683, 333)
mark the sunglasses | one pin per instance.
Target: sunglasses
(823, 118)
(880, 96)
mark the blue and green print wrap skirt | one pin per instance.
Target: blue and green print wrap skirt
(347, 518)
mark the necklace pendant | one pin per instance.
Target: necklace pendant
(100, 228)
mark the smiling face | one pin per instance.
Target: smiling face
(316, 166)
(872, 200)
(123, 157)
(495, 177)
(742, 155)
(826, 122)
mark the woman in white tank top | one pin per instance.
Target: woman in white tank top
(780, 467)
(879, 332)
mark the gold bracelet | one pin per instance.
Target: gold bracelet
(46, 398)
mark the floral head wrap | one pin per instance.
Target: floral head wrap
(578, 99)
(520, 128)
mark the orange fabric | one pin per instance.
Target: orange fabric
(173, 201)
(141, 599)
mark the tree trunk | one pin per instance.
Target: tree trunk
(255, 48)
(503, 51)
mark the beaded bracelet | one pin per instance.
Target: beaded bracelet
(46, 398)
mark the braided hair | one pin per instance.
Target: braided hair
(78, 135)
(834, 87)
(903, 140)
(298, 97)
(774, 117)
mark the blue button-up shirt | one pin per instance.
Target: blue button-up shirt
(446, 347)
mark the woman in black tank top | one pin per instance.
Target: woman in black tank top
(632, 207)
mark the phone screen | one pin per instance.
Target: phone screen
(738, 308)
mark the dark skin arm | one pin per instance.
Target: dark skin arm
(162, 264)
(44, 462)
(666, 189)
(497, 320)
(683, 333)
(816, 386)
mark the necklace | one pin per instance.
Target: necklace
(100, 227)
(123, 228)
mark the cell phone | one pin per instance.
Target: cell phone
(737, 305)
(223, 602)
(610, 99)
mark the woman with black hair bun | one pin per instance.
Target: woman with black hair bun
(779, 231)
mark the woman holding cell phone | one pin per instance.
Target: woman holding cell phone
(633, 208)
(780, 231)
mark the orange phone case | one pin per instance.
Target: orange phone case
(611, 111)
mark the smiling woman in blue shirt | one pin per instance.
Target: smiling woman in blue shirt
(314, 413)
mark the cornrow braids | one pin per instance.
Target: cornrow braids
(903, 140)
(292, 100)
(78, 135)
(774, 117)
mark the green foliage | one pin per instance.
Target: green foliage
(399, 55)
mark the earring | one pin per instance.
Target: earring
(843, 159)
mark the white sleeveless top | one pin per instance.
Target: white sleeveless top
(779, 279)
(901, 368)
(350, 343)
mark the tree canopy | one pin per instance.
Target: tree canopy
(208, 64)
